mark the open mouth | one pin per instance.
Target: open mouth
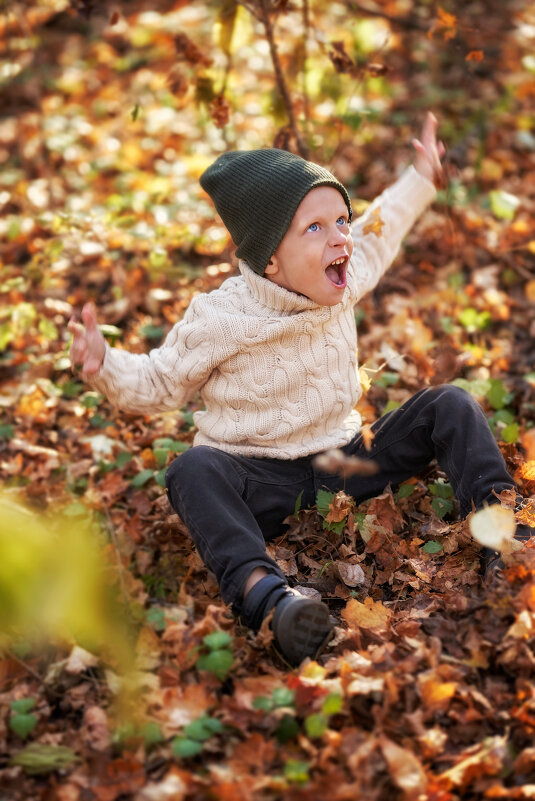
(336, 272)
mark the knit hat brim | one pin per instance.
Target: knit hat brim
(257, 193)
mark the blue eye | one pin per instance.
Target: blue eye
(341, 221)
(313, 227)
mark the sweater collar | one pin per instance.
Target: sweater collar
(273, 295)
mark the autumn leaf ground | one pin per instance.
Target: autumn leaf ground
(426, 691)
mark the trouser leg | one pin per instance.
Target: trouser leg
(231, 505)
(443, 423)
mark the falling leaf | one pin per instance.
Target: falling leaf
(475, 55)
(376, 224)
(369, 615)
(220, 111)
(493, 527)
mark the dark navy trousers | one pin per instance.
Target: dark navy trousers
(232, 504)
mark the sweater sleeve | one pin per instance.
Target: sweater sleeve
(166, 377)
(379, 232)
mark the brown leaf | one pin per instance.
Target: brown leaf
(405, 769)
(220, 111)
(96, 731)
(339, 508)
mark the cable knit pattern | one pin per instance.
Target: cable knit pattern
(277, 373)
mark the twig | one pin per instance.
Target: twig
(306, 31)
(279, 77)
(409, 23)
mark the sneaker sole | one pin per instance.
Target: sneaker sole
(302, 629)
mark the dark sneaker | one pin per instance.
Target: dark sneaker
(301, 626)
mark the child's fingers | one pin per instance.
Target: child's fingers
(89, 317)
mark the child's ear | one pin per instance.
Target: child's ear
(272, 266)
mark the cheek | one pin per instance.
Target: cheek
(349, 244)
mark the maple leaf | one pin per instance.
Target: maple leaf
(369, 615)
(445, 23)
(375, 226)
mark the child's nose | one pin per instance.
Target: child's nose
(337, 237)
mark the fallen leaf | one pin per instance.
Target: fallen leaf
(368, 615)
(405, 769)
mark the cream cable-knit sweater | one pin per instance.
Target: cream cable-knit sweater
(277, 373)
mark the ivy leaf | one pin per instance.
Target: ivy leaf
(217, 662)
(217, 640)
(183, 747)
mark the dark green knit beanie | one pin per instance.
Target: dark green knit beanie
(256, 194)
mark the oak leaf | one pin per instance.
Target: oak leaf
(405, 769)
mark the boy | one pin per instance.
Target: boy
(273, 353)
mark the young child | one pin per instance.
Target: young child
(273, 353)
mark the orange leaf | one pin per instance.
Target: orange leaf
(369, 615)
(339, 508)
(528, 443)
(434, 692)
(475, 55)
(375, 226)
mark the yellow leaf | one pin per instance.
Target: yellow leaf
(365, 381)
(369, 615)
(375, 226)
(530, 291)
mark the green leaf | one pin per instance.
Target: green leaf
(152, 734)
(296, 772)
(155, 617)
(442, 506)
(123, 458)
(23, 705)
(166, 443)
(263, 703)
(142, 478)
(47, 328)
(441, 489)
(183, 747)
(159, 477)
(316, 725)
(337, 527)
(135, 112)
(283, 696)
(22, 724)
(332, 704)
(298, 504)
(160, 454)
(37, 758)
(497, 396)
(287, 729)
(503, 204)
(203, 728)
(405, 490)
(217, 662)
(474, 321)
(71, 389)
(510, 433)
(152, 331)
(432, 547)
(217, 640)
(324, 498)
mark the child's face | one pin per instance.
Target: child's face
(313, 256)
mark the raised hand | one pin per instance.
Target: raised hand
(429, 152)
(88, 345)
